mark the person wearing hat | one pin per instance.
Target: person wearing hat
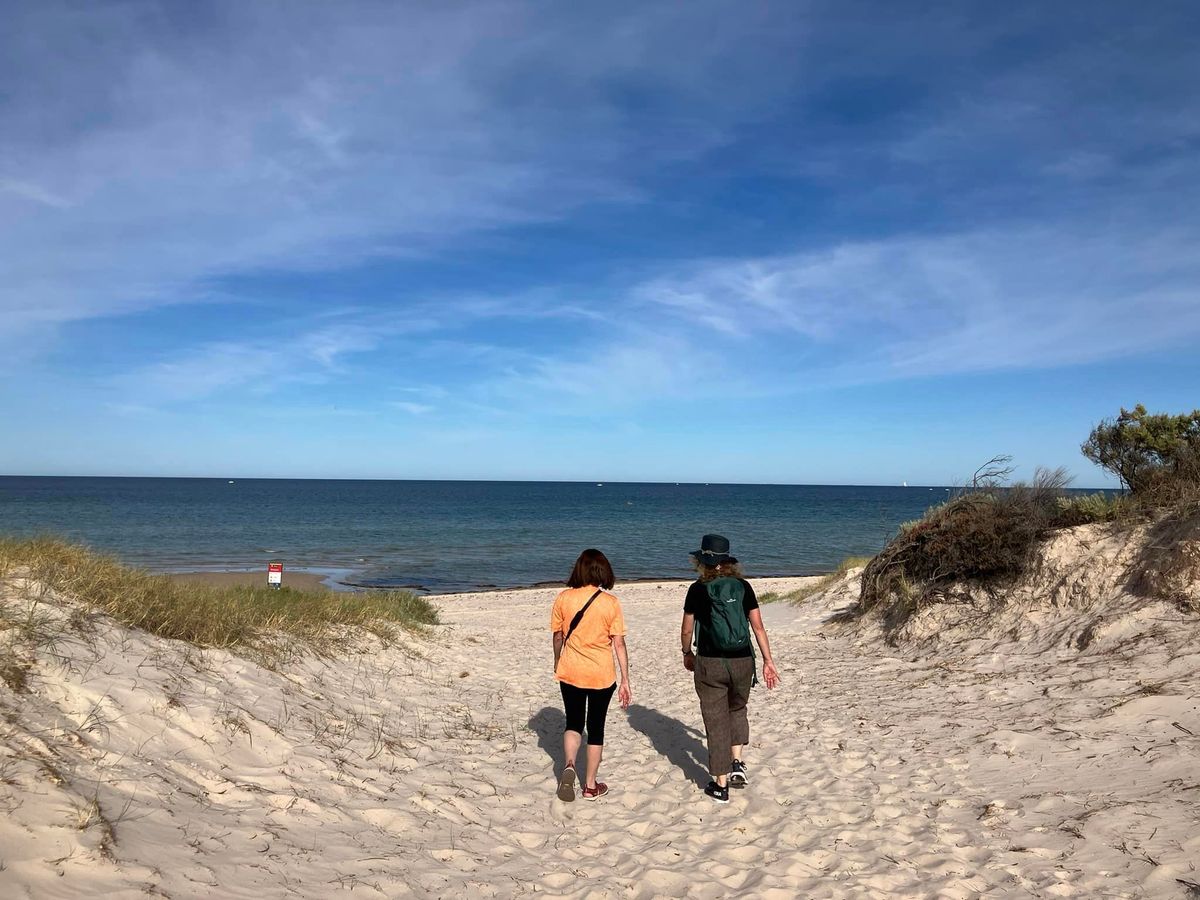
(719, 614)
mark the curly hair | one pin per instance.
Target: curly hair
(720, 570)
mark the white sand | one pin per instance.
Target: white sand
(985, 770)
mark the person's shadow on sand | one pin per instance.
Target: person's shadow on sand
(679, 743)
(548, 724)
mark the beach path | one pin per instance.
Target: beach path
(427, 769)
(872, 774)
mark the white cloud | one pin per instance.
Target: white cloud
(740, 328)
(165, 147)
(257, 367)
(904, 307)
(28, 191)
(414, 409)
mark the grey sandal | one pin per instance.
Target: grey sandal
(566, 784)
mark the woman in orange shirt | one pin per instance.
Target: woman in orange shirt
(588, 626)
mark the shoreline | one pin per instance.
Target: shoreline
(310, 580)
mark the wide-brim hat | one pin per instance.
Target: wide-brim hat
(714, 550)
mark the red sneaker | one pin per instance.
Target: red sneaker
(595, 793)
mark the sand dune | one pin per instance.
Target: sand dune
(139, 767)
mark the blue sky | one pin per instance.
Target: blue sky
(780, 242)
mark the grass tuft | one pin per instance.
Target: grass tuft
(1094, 508)
(803, 593)
(205, 615)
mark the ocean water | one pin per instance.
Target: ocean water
(454, 535)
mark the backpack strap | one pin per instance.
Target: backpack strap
(579, 617)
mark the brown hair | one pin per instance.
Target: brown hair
(720, 570)
(592, 567)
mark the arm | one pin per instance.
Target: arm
(770, 675)
(685, 639)
(557, 627)
(625, 693)
(558, 645)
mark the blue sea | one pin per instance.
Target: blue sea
(444, 536)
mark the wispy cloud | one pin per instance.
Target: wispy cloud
(860, 312)
(1035, 297)
(188, 145)
(414, 409)
(27, 191)
(258, 367)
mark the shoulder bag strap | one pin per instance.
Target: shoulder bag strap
(579, 618)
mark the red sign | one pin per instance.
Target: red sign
(275, 567)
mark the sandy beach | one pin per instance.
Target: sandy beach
(138, 766)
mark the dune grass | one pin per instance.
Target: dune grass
(803, 593)
(229, 617)
(1091, 509)
(800, 594)
(987, 533)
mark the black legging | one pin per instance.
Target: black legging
(595, 701)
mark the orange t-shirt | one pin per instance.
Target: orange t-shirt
(587, 658)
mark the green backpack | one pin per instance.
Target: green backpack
(729, 629)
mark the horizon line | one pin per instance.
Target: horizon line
(598, 482)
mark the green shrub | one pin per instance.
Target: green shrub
(1147, 452)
